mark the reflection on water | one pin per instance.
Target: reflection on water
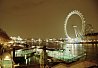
(92, 52)
(70, 53)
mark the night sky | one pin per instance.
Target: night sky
(44, 18)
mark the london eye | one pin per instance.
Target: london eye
(77, 31)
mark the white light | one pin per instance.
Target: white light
(32, 39)
(61, 42)
(74, 26)
(11, 42)
(70, 40)
(25, 56)
(94, 40)
(19, 50)
(21, 45)
(32, 46)
(46, 40)
(7, 58)
(89, 41)
(50, 39)
(19, 38)
(39, 40)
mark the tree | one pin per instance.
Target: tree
(3, 36)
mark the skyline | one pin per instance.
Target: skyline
(43, 18)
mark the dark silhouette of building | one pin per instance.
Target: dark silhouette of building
(3, 36)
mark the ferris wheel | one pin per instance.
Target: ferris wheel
(76, 31)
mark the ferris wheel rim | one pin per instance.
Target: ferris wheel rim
(75, 12)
